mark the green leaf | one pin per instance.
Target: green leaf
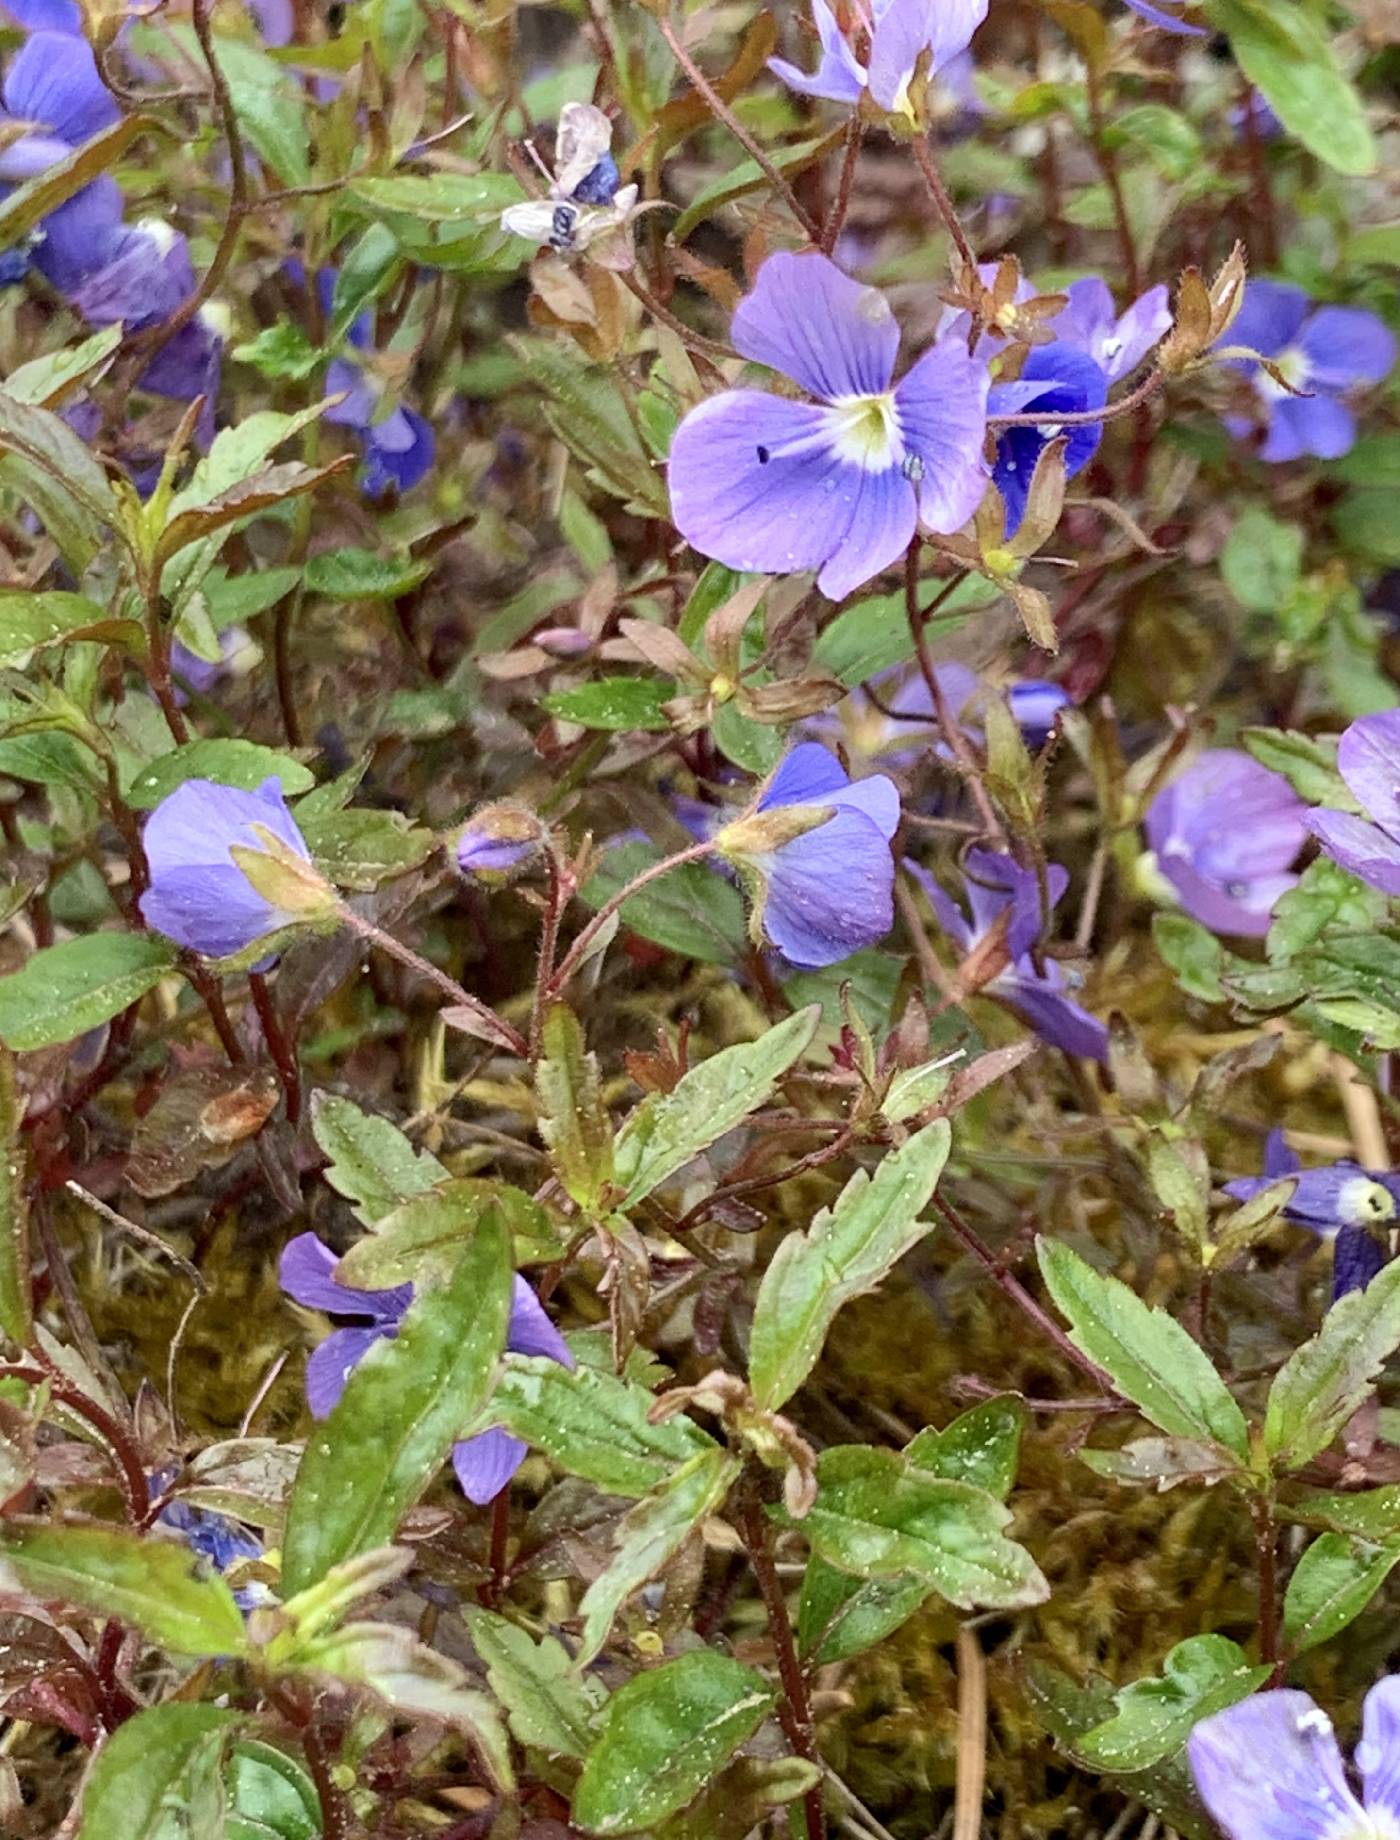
(614, 703)
(692, 910)
(1146, 1353)
(360, 849)
(1322, 1383)
(573, 1120)
(593, 1424)
(49, 760)
(281, 350)
(49, 444)
(1286, 55)
(157, 1775)
(441, 198)
(367, 270)
(423, 1237)
(1331, 1585)
(362, 575)
(63, 991)
(981, 1446)
(873, 635)
(1201, 1675)
(270, 1796)
(650, 1534)
(1371, 1514)
(49, 380)
(55, 184)
(668, 1130)
(372, 1163)
(879, 1516)
(663, 1736)
(156, 1585)
(16, 1303)
(29, 622)
(403, 1407)
(748, 176)
(413, 1680)
(848, 1250)
(269, 103)
(588, 411)
(228, 762)
(1325, 896)
(1194, 954)
(1261, 560)
(547, 1704)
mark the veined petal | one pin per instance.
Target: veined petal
(756, 483)
(306, 1273)
(53, 81)
(485, 1464)
(946, 910)
(839, 75)
(829, 892)
(1270, 1769)
(1317, 425)
(1279, 1158)
(908, 28)
(329, 1363)
(834, 336)
(531, 1331)
(883, 516)
(942, 406)
(1378, 1753)
(1346, 346)
(812, 775)
(1056, 1018)
(1269, 317)
(75, 235)
(1368, 758)
(1365, 849)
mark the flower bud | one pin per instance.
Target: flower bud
(499, 841)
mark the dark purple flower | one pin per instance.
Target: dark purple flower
(838, 484)
(1225, 833)
(997, 885)
(53, 85)
(484, 1464)
(901, 32)
(199, 896)
(1270, 1769)
(1117, 342)
(223, 1542)
(1325, 351)
(1267, 126)
(1368, 757)
(815, 853)
(1166, 22)
(1058, 378)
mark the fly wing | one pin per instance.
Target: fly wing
(534, 221)
(585, 135)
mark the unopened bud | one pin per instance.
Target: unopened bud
(499, 841)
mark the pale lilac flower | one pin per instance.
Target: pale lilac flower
(997, 885)
(1117, 342)
(1270, 1768)
(1225, 834)
(1368, 757)
(198, 896)
(900, 33)
(838, 484)
(1326, 351)
(484, 1464)
(815, 851)
(895, 739)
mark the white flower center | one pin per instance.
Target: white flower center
(1292, 366)
(864, 431)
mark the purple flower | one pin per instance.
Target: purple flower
(202, 674)
(1116, 342)
(1168, 22)
(499, 839)
(1225, 833)
(1335, 1195)
(53, 85)
(485, 1463)
(997, 885)
(1368, 756)
(896, 739)
(1326, 351)
(838, 484)
(399, 445)
(815, 852)
(902, 31)
(1056, 378)
(218, 1539)
(1267, 126)
(1270, 1768)
(199, 896)
(45, 15)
